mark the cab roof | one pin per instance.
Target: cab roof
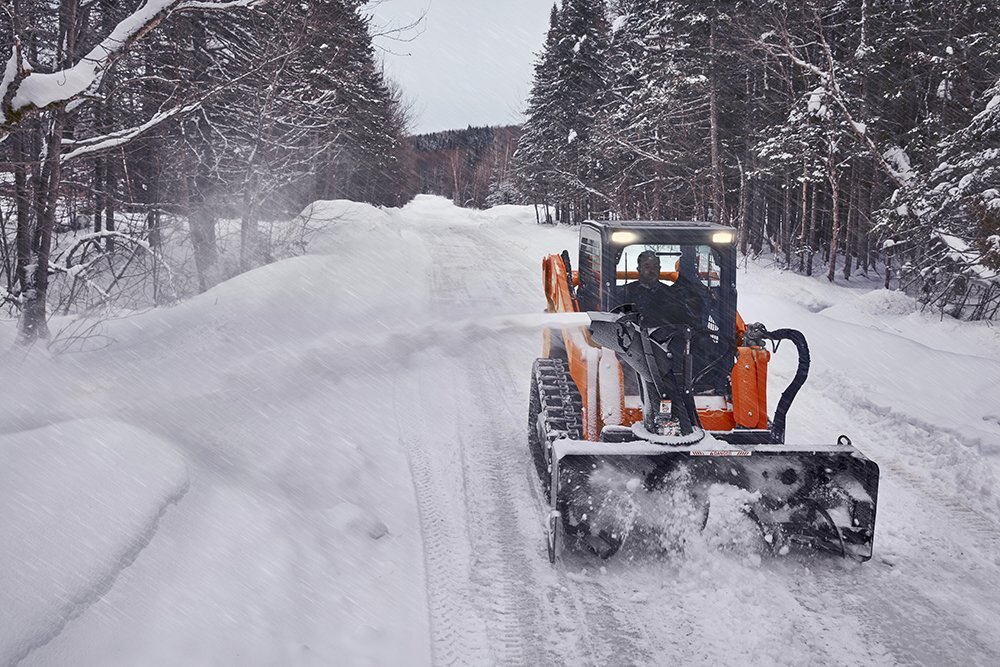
(650, 225)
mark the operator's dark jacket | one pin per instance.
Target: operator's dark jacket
(661, 304)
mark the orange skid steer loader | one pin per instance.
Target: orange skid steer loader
(664, 394)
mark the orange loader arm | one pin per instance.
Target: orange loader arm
(555, 281)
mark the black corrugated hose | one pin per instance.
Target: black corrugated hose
(787, 396)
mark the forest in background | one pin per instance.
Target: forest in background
(148, 156)
(472, 167)
(843, 135)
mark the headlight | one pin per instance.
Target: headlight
(623, 237)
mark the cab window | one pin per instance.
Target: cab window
(589, 287)
(699, 262)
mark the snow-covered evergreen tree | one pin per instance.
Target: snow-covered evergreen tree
(651, 128)
(953, 214)
(553, 162)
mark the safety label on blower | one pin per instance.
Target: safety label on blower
(722, 452)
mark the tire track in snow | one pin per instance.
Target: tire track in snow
(507, 590)
(594, 630)
(607, 631)
(484, 602)
(520, 601)
(478, 614)
(505, 597)
(907, 623)
(458, 634)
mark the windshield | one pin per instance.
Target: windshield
(675, 285)
(697, 262)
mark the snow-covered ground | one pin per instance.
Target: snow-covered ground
(324, 461)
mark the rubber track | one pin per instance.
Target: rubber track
(561, 408)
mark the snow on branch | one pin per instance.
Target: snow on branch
(23, 91)
(208, 5)
(120, 137)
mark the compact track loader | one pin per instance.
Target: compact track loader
(672, 402)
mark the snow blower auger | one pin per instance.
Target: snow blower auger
(663, 396)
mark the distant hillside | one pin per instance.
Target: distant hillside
(471, 166)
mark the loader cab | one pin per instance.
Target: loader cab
(697, 264)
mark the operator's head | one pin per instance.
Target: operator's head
(649, 267)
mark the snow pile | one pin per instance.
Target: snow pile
(78, 502)
(510, 214)
(901, 315)
(298, 540)
(883, 302)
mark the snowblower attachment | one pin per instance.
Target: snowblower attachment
(820, 496)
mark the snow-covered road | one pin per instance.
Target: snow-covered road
(358, 488)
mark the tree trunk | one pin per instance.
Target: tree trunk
(22, 200)
(888, 268)
(786, 222)
(202, 222)
(201, 184)
(741, 224)
(718, 187)
(250, 249)
(34, 317)
(804, 219)
(110, 189)
(834, 222)
(758, 216)
(850, 235)
(811, 243)
(867, 189)
(99, 191)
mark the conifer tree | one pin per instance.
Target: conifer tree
(570, 80)
(536, 154)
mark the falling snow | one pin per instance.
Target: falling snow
(323, 461)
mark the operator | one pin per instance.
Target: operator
(661, 304)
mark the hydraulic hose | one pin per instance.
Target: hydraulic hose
(787, 396)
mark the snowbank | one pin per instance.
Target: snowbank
(298, 539)
(511, 214)
(78, 502)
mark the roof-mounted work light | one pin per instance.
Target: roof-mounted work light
(623, 237)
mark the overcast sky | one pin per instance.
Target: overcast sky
(468, 63)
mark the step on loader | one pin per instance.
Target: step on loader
(662, 401)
